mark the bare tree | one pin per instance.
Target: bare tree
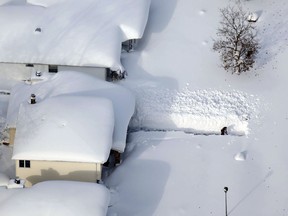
(236, 43)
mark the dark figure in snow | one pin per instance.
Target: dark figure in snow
(224, 131)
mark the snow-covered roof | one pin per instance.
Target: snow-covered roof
(57, 198)
(69, 32)
(75, 83)
(65, 128)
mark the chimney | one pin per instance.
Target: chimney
(33, 99)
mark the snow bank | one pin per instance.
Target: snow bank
(173, 173)
(65, 128)
(58, 198)
(79, 84)
(201, 111)
(46, 31)
(4, 180)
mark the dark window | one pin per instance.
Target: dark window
(27, 164)
(24, 163)
(29, 65)
(21, 163)
(53, 68)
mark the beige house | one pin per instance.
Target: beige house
(66, 137)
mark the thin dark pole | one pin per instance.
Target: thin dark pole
(226, 190)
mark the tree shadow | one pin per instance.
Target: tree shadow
(273, 35)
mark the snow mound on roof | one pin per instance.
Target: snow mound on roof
(58, 198)
(201, 111)
(65, 128)
(44, 3)
(79, 84)
(47, 34)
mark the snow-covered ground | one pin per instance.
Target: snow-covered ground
(179, 85)
(173, 173)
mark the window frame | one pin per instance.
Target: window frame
(24, 164)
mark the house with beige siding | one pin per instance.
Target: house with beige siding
(70, 130)
(66, 137)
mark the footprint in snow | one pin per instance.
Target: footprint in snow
(202, 12)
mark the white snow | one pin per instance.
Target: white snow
(75, 83)
(179, 85)
(4, 179)
(69, 32)
(200, 111)
(57, 198)
(175, 77)
(65, 128)
(173, 173)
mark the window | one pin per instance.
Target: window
(53, 68)
(27, 164)
(29, 65)
(24, 163)
(21, 163)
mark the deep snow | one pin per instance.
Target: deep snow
(173, 173)
(57, 198)
(69, 33)
(76, 84)
(183, 174)
(64, 128)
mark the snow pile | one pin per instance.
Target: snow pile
(65, 128)
(57, 198)
(46, 31)
(77, 84)
(201, 111)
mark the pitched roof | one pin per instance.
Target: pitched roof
(65, 128)
(78, 84)
(70, 32)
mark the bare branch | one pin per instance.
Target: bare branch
(236, 43)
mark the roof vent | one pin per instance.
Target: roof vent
(33, 99)
(38, 73)
(38, 30)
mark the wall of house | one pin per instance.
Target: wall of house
(17, 72)
(94, 71)
(13, 72)
(12, 132)
(56, 170)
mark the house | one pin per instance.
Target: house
(72, 35)
(69, 132)
(63, 138)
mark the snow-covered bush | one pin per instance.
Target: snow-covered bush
(236, 42)
(115, 75)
